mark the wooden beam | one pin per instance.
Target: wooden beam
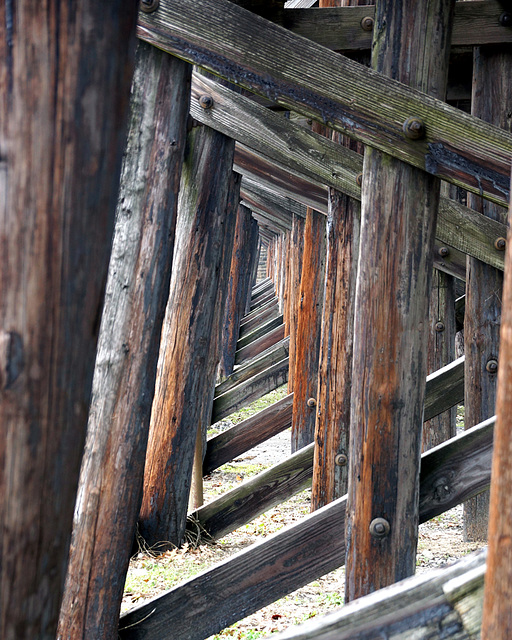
(303, 552)
(124, 380)
(298, 163)
(250, 390)
(325, 86)
(398, 222)
(271, 356)
(264, 316)
(260, 345)
(340, 29)
(247, 434)
(65, 74)
(259, 331)
(208, 202)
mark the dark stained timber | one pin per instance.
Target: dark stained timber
(320, 84)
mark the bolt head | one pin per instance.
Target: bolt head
(367, 23)
(414, 128)
(444, 251)
(359, 179)
(379, 528)
(492, 366)
(439, 327)
(206, 102)
(500, 244)
(311, 402)
(341, 460)
(506, 19)
(148, 6)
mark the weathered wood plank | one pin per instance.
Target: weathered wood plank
(257, 313)
(433, 605)
(297, 162)
(65, 74)
(325, 86)
(208, 202)
(296, 555)
(250, 390)
(497, 618)
(260, 345)
(308, 334)
(398, 220)
(124, 378)
(271, 356)
(259, 331)
(238, 290)
(255, 496)
(444, 388)
(340, 29)
(297, 240)
(492, 101)
(264, 316)
(247, 434)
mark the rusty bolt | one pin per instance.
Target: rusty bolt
(311, 402)
(500, 244)
(367, 23)
(439, 327)
(359, 179)
(340, 460)
(206, 102)
(506, 19)
(148, 6)
(492, 366)
(379, 528)
(443, 252)
(414, 128)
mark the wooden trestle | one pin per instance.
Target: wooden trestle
(282, 210)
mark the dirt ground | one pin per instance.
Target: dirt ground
(440, 543)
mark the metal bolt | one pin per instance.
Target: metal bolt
(414, 128)
(206, 102)
(379, 528)
(311, 402)
(148, 6)
(443, 252)
(506, 19)
(492, 366)
(500, 244)
(340, 460)
(359, 179)
(367, 23)
(439, 327)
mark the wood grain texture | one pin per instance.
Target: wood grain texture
(491, 101)
(269, 357)
(444, 389)
(309, 324)
(186, 370)
(124, 379)
(260, 331)
(65, 74)
(327, 87)
(340, 29)
(497, 618)
(294, 556)
(296, 162)
(297, 248)
(260, 345)
(247, 434)
(250, 390)
(257, 314)
(238, 290)
(270, 312)
(398, 220)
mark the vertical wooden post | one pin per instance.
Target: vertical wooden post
(330, 466)
(398, 220)
(255, 251)
(491, 101)
(497, 613)
(238, 288)
(297, 248)
(188, 360)
(309, 323)
(65, 73)
(441, 351)
(124, 379)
